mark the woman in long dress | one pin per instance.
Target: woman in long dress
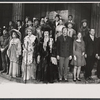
(28, 62)
(14, 50)
(79, 58)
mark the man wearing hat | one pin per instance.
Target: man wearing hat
(4, 42)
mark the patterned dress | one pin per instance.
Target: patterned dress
(13, 52)
(28, 63)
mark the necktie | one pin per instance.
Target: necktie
(64, 38)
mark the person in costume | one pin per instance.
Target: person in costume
(47, 61)
(28, 61)
(13, 52)
(4, 42)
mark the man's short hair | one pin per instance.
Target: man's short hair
(69, 16)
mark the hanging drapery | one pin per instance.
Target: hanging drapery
(18, 11)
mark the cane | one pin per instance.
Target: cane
(26, 63)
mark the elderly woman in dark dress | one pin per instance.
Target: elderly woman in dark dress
(46, 59)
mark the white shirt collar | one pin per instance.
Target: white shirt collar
(92, 37)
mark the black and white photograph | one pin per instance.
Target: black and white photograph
(49, 46)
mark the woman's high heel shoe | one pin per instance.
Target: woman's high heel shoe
(74, 80)
(78, 79)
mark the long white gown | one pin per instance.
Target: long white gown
(28, 63)
(14, 50)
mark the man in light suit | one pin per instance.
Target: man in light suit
(64, 53)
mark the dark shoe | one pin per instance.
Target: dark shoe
(3, 71)
(74, 80)
(90, 78)
(51, 82)
(78, 79)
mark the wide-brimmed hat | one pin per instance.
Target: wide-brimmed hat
(84, 20)
(16, 31)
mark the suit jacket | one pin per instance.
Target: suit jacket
(98, 46)
(90, 45)
(64, 48)
(54, 24)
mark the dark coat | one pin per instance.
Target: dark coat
(90, 46)
(84, 31)
(54, 24)
(64, 48)
(98, 47)
(45, 69)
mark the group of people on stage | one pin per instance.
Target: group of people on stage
(43, 50)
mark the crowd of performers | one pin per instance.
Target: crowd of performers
(43, 50)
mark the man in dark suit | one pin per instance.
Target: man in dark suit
(90, 43)
(21, 29)
(56, 22)
(98, 57)
(64, 53)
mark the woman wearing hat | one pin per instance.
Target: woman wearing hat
(46, 58)
(13, 52)
(84, 28)
(28, 62)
